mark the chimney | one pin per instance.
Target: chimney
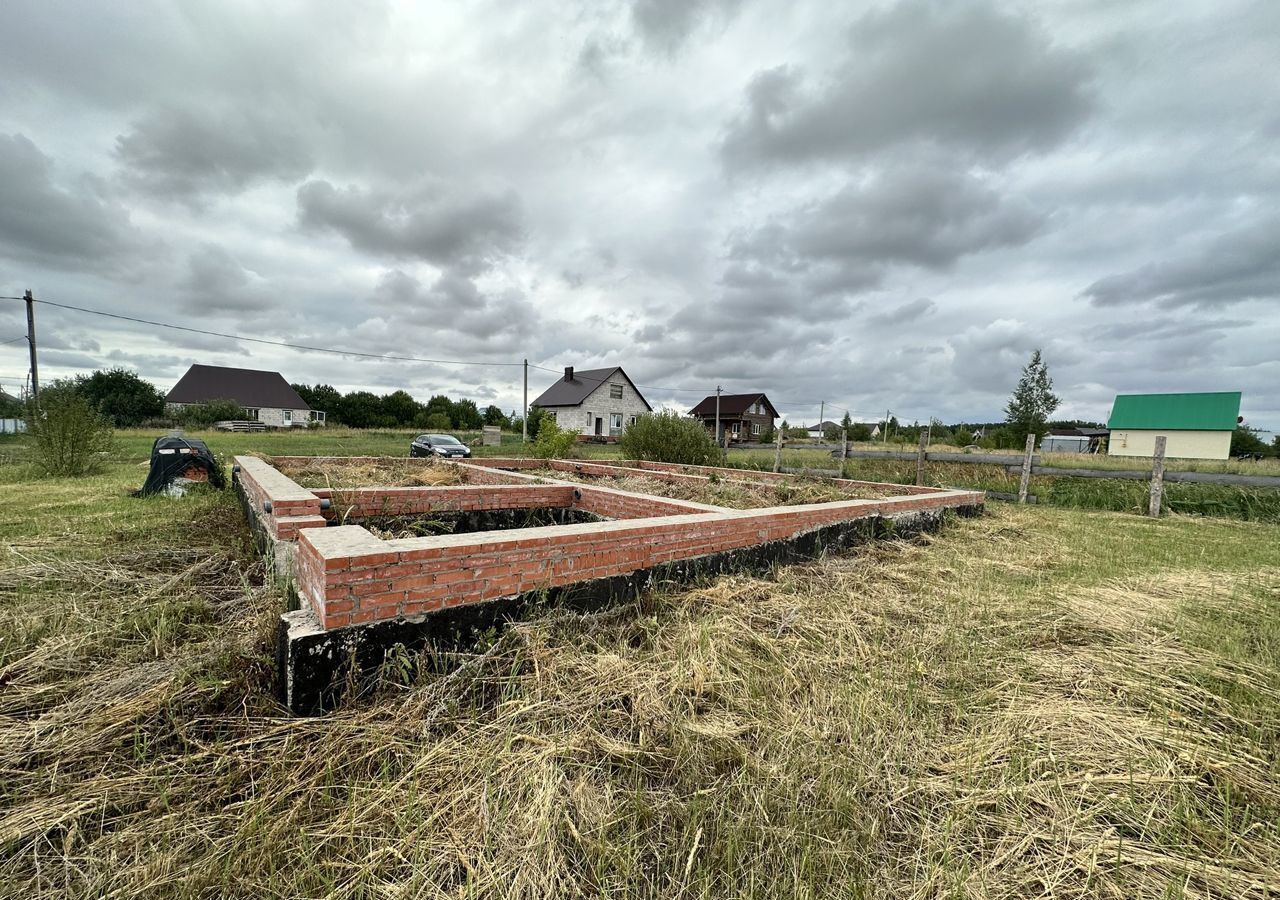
(568, 373)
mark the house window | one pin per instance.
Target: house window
(736, 426)
(288, 417)
(252, 414)
(615, 393)
(552, 414)
(755, 427)
(615, 421)
(631, 421)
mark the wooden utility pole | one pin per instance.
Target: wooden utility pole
(1157, 478)
(719, 439)
(31, 341)
(777, 456)
(822, 432)
(1026, 468)
(524, 419)
(885, 436)
(920, 455)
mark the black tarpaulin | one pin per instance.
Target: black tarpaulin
(174, 457)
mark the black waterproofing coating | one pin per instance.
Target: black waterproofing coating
(173, 456)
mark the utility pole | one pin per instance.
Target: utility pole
(717, 414)
(31, 340)
(524, 418)
(885, 436)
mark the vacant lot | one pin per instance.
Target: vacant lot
(1042, 702)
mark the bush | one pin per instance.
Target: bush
(435, 421)
(122, 396)
(202, 415)
(554, 442)
(69, 434)
(669, 437)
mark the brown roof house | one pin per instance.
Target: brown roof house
(596, 403)
(744, 417)
(265, 396)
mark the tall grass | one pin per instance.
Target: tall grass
(1041, 702)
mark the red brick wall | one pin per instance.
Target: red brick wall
(406, 501)
(348, 580)
(293, 507)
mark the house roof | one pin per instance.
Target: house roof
(731, 405)
(824, 426)
(573, 393)
(1181, 412)
(248, 387)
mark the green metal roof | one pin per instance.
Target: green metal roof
(1176, 412)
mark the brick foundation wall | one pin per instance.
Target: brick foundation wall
(361, 503)
(293, 507)
(349, 577)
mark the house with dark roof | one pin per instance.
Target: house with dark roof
(598, 404)
(265, 396)
(1195, 426)
(743, 417)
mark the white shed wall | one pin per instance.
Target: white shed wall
(1181, 444)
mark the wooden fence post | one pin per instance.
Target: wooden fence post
(1157, 478)
(777, 456)
(1026, 468)
(920, 455)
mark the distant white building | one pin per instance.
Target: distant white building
(596, 403)
(1195, 426)
(265, 396)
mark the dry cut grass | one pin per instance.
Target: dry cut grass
(385, 472)
(735, 493)
(1020, 707)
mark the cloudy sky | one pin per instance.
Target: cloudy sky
(879, 205)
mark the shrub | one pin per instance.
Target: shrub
(669, 437)
(554, 442)
(122, 396)
(202, 415)
(435, 421)
(69, 434)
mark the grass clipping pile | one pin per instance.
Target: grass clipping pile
(375, 473)
(918, 720)
(735, 493)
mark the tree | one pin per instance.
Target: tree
(361, 409)
(495, 416)
(1245, 441)
(70, 435)
(859, 432)
(1032, 402)
(400, 408)
(466, 416)
(121, 396)
(846, 424)
(442, 405)
(669, 437)
(435, 421)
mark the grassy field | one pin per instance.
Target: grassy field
(1038, 703)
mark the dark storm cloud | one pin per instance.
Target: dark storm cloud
(907, 215)
(906, 313)
(664, 25)
(216, 282)
(57, 221)
(454, 303)
(190, 152)
(1241, 265)
(440, 226)
(966, 76)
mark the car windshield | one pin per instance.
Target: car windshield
(443, 439)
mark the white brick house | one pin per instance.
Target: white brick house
(596, 403)
(265, 396)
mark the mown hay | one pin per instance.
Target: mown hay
(732, 492)
(378, 473)
(980, 714)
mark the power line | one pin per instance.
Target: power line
(240, 337)
(21, 337)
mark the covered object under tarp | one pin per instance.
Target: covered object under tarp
(174, 457)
